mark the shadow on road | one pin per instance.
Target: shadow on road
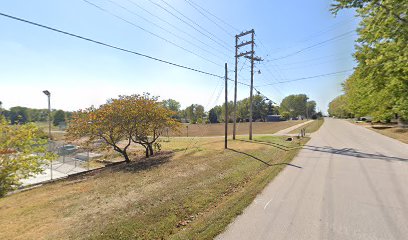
(264, 162)
(276, 145)
(353, 153)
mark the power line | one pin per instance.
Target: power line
(151, 33)
(304, 78)
(219, 19)
(114, 47)
(190, 25)
(224, 44)
(317, 63)
(164, 29)
(306, 39)
(175, 27)
(109, 45)
(317, 58)
(198, 10)
(312, 46)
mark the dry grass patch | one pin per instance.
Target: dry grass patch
(217, 129)
(400, 134)
(191, 190)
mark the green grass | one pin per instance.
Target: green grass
(44, 126)
(193, 192)
(310, 127)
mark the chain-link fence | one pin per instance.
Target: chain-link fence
(71, 159)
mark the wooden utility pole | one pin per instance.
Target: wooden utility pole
(252, 86)
(238, 55)
(251, 56)
(235, 89)
(226, 106)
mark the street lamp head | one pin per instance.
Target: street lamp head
(46, 92)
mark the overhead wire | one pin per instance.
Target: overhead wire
(148, 31)
(315, 64)
(304, 78)
(312, 36)
(190, 25)
(193, 22)
(314, 59)
(175, 27)
(164, 29)
(311, 46)
(108, 45)
(211, 20)
(215, 16)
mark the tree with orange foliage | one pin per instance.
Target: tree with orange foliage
(139, 119)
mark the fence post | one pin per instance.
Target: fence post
(50, 148)
(63, 153)
(88, 160)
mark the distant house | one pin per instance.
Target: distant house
(274, 118)
(184, 120)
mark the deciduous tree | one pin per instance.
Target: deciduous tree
(338, 107)
(295, 105)
(23, 153)
(379, 84)
(59, 117)
(120, 122)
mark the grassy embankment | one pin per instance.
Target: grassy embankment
(400, 134)
(395, 132)
(178, 194)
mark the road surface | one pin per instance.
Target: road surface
(353, 184)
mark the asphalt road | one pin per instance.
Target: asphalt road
(352, 184)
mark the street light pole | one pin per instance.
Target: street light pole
(46, 92)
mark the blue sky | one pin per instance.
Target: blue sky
(80, 74)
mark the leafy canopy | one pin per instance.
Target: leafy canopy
(379, 84)
(23, 153)
(139, 119)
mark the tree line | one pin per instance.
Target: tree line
(378, 86)
(22, 115)
(291, 106)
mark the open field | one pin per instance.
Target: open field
(310, 127)
(204, 130)
(217, 129)
(56, 133)
(44, 126)
(178, 194)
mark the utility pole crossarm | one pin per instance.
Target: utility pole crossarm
(245, 33)
(244, 44)
(245, 53)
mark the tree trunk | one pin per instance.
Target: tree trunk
(147, 152)
(150, 149)
(125, 155)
